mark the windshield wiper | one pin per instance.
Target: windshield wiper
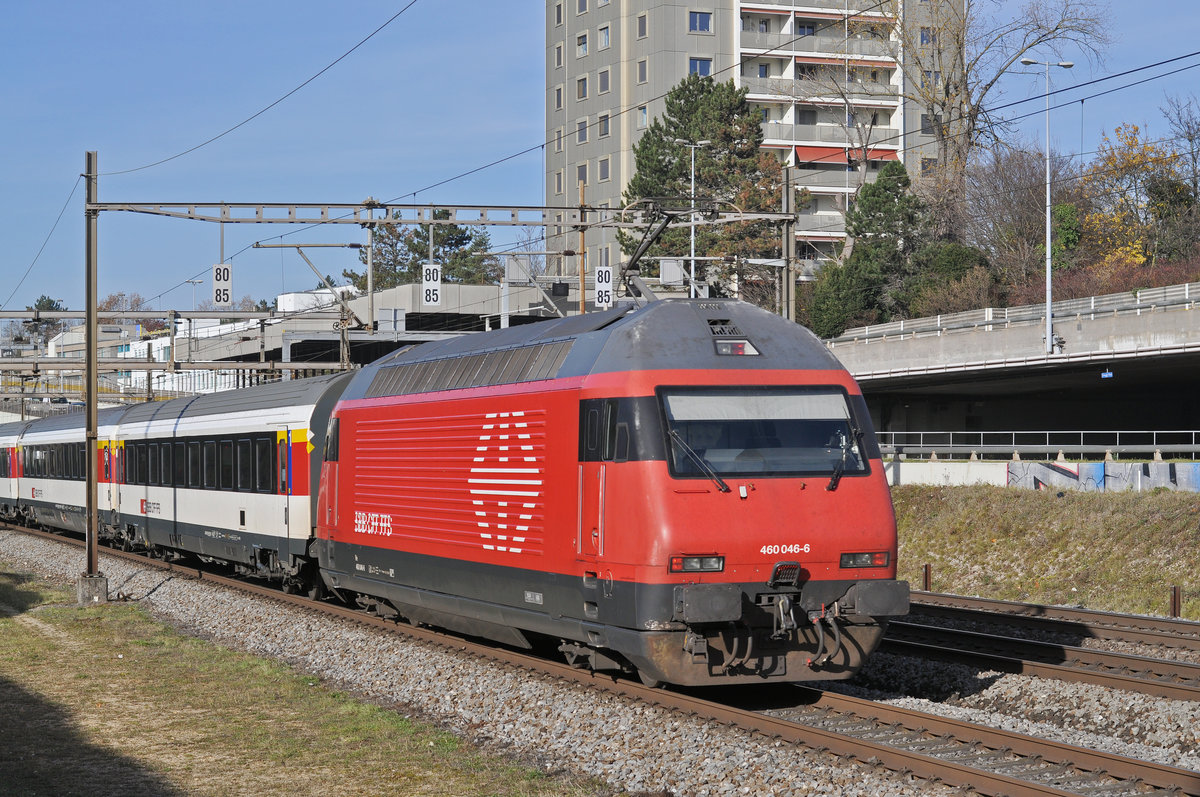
(704, 465)
(854, 438)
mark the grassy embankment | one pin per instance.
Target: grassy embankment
(1119, 551)
(105, 701)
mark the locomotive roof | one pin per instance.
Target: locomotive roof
(662, 335)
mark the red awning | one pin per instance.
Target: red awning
(813, 154)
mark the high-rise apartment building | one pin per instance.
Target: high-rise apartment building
(824, 74)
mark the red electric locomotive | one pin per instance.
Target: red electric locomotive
(690, 489)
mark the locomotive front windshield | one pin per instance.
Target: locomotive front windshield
(756, 431)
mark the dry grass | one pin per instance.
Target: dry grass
(1119, 551)
(105, 701)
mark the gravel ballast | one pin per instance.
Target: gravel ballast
(635, 747)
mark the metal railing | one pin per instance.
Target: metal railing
(1042, 445)
(985, 319)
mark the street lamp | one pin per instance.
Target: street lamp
(693, 147)
(1048, 64)
(193, 283)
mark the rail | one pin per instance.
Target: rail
(1081, 445)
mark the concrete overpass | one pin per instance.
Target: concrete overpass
(1126, 361)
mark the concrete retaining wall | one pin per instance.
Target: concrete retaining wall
(1092, 476)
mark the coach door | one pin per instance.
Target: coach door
(283, 465)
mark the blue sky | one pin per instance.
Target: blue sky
(443, 89)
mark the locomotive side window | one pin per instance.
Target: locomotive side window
(332, 435)
(765, 430)
(620, 430)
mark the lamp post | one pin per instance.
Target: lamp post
(1049, 324)
(193, 283)
(693, 146)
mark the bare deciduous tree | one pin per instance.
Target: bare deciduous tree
(954, 54)
(1183, 115)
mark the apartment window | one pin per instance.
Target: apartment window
(558, 140)
(928, 36)
(805, 30)
(928, 165)
(581, 174)
(806, 116)
(641, 116)
(558, 182)
(581, 88)
(806, 71)
(700, 66)
(928, 124)
(930, 79)
(558, 59)
(642, 70)
(765, 113)
(764, 70)
(605, 39)
(602, 125)
(583, 6)
(764, 25)
(602, 81)
(558, 13)
(642, 26)
(700, 21)
(581, 45)
(602, 170)
(581, 130)
(558, 98)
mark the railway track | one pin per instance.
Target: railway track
(1078, 622)
(1175, 680)
(960, 754)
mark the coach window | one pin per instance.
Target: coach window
(193, 464)
(245, 466)
(180, 465)
(143, 468)
(152, 470)
(264, 466)
(210, 464)
(53, 474)
(225, 452)
(168, 471)
(283, 465)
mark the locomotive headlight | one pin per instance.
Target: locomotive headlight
(730, 346)
(875, 559)
(697, 564)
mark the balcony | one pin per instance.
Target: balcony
(825, 134)
(838, 6)
(827, 87)
(825, 45)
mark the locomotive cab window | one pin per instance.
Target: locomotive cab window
(762, 431)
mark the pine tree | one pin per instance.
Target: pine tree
(401, 250)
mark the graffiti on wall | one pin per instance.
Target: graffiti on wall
(1101, 476)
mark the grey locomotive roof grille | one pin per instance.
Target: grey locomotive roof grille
(722, 326)
(503, 367)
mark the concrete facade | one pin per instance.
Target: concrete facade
(824, 74)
